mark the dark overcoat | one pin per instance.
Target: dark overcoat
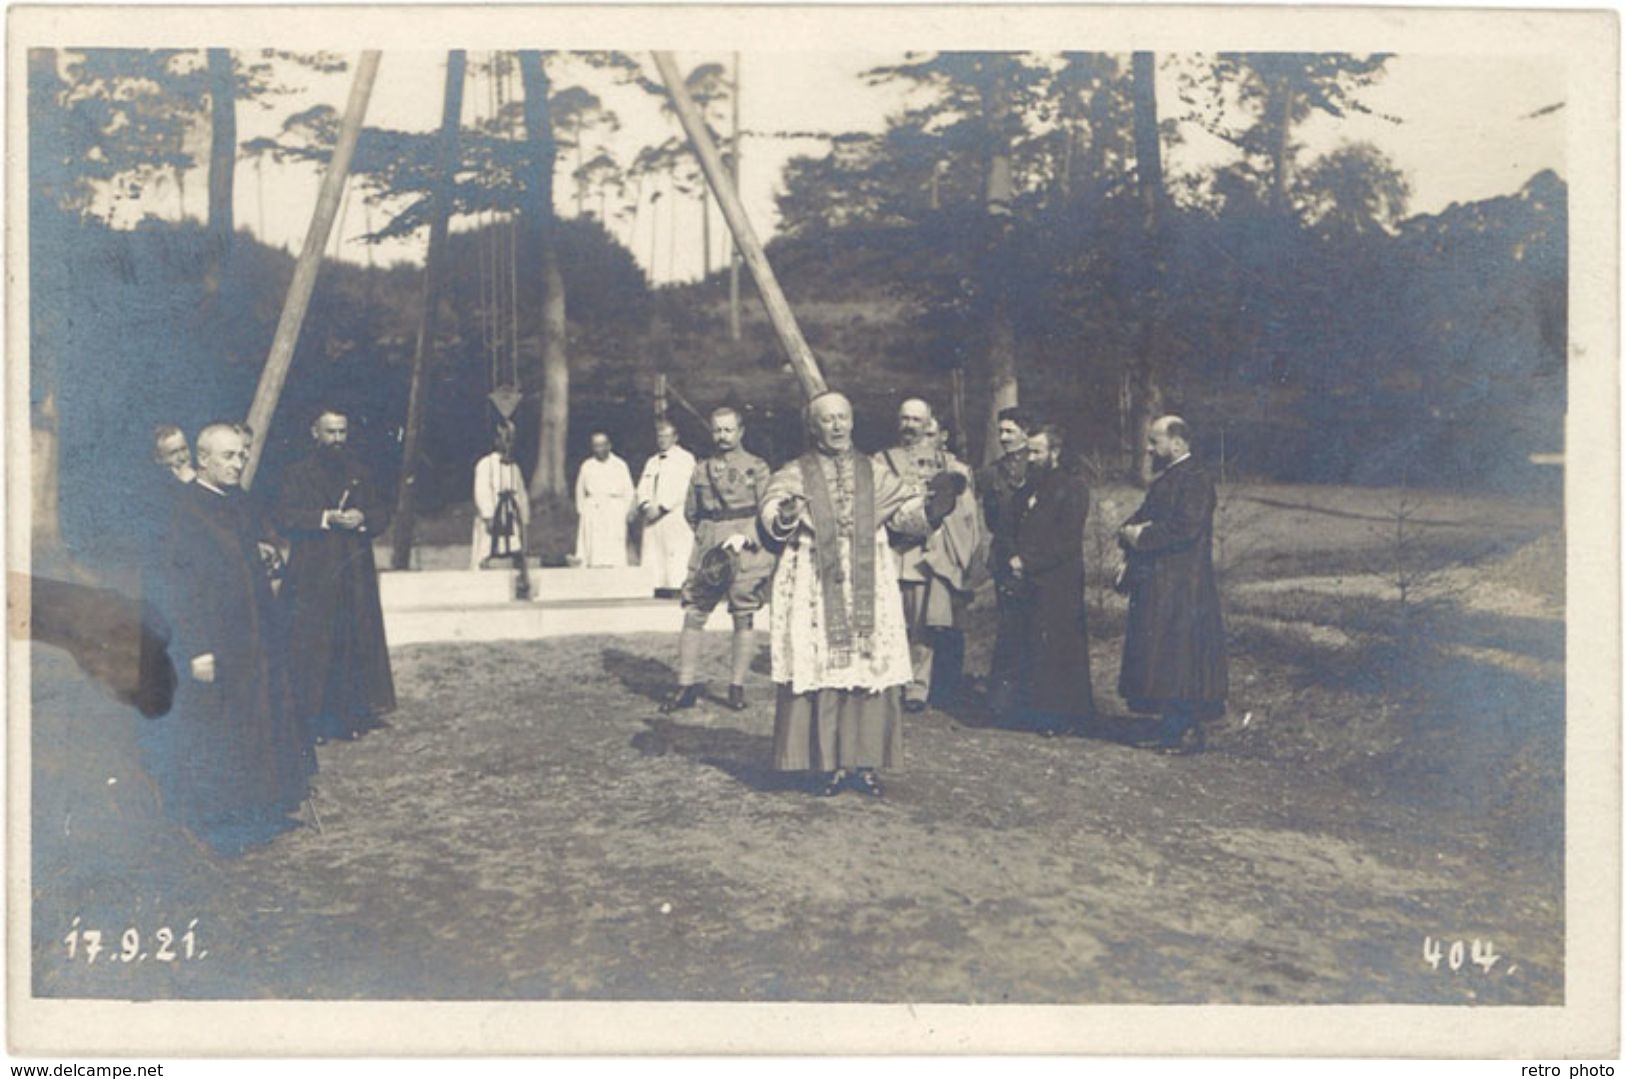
(339, 657)
(1173, 649)
(1048, 536)
(233, 757)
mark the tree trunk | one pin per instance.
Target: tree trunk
(547, 480)
(705, 229)
(654, 235)
(1099, 122)
(439, 218)
(1147, 142)
(222, 165)
(581, 176)
(1003, 389)
(1145, 395)
(1281, 150)
(733, 247)
(1068, 135)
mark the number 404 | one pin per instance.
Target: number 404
(1456, 953)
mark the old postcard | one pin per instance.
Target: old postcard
(946, 529)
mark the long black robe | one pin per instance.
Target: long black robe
(1051, 510)
(339, 658)
(1173, 649)
(232, 759)
(997, 485)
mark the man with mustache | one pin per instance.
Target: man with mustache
(998, 484)
(935, 574)
(331, 511)
(170, 452)
(727, 560)
(1174, 661)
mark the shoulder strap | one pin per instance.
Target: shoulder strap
(711, 478)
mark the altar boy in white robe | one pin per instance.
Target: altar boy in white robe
(501, 504)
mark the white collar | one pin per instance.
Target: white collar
(207, 486)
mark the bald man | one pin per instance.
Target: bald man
(1174, 661)
(840, 643)
(662, 490)
(232, 759)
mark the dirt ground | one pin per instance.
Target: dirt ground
(530, 827)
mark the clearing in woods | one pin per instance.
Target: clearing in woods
(1388, 782)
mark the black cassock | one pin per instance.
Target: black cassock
(232, 759)
(1173, 649)
(339, 658)
(1051, 510)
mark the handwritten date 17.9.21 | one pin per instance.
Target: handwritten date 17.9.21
(131, 946)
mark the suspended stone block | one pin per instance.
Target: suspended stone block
(506, 399)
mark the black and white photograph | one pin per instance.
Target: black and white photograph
(962, 513)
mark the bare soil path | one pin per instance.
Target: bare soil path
(530, 827)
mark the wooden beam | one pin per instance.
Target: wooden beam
(779, 314)
(275, 373)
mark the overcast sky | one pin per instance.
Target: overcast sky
(1466, 134)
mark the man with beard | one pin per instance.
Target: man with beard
(727, 559)
(331, 511)
(1052, 507)
(603, 506)
(668, 538)
(232, 759)
(934, 573)
(999, 483)
(1173, 650)
(840, 644)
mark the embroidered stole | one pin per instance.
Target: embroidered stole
(848, 515)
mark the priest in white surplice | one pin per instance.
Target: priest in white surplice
(662, 490)
(603, 502)
(840, 644)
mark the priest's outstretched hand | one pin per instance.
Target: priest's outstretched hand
(788, 514)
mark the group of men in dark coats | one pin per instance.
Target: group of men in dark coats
(262, 678)
(1174, 663)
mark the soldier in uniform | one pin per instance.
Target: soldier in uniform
(934, 572)
(728, 561)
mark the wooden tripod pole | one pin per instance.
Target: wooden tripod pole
(778, 308)
(297, 303)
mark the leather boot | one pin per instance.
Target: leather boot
(736, 698)
(684, 697)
